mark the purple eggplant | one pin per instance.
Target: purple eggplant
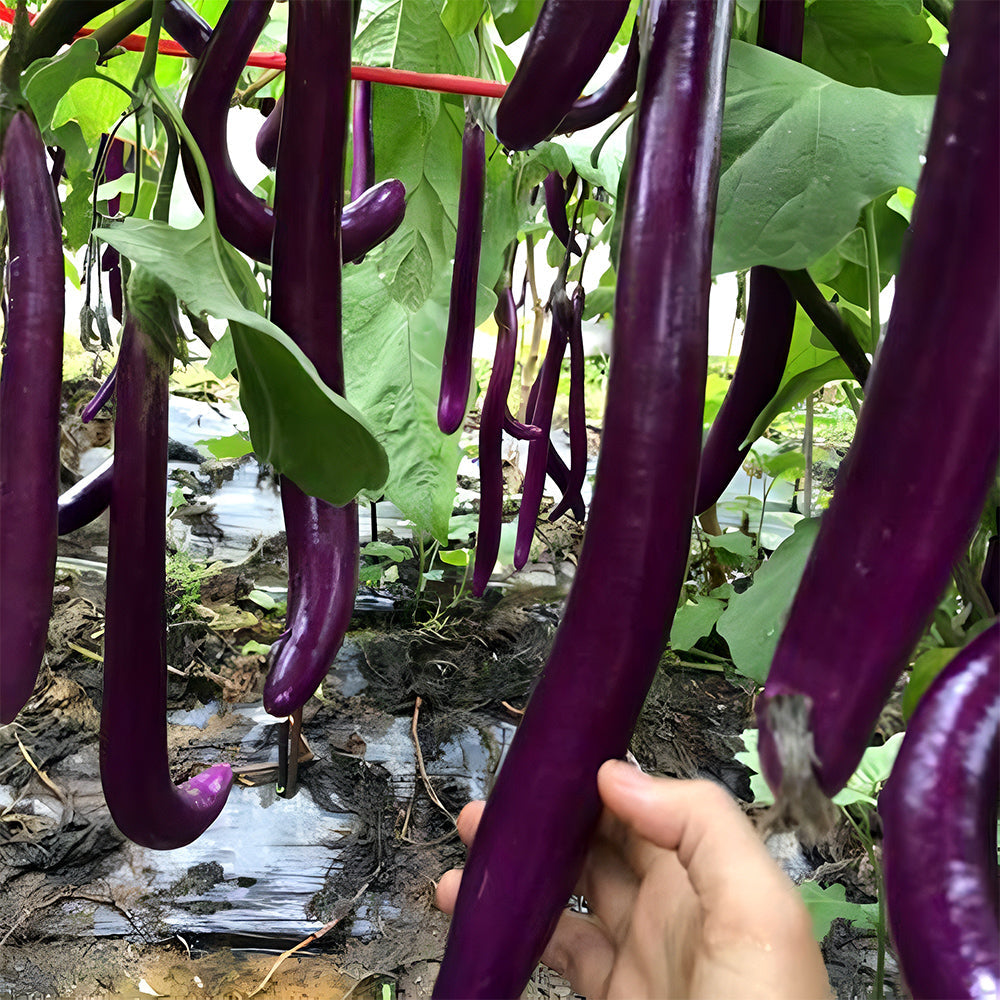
(114, 168)
(542, 812)
(456, 366)
(914, 483)
(101, 397)
(86, 500)
(766, 339)
(491, 424)
(555, 207)
(306, 303)
(363, 141)
(266, 144)
(612, 97)
(540, 414)
(244, 220)
(186, 27)
(30, 384)
(565, 47)
(144, 802)
(517, 430)
(781, 26)
(557, 470)
(939, 819)
(577, 473)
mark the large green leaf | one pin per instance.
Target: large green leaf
(802, 155)
(409, 34)
(879, 43)
(753, 621)
(297, 423)
(826, 905)
(393, 368)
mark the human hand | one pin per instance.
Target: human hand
(685, 900)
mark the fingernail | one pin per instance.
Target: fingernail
(628, 777)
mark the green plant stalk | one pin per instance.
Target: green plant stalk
(109, 34)
(872, 269)
(852, 399)
(864, 835)
(807, 449)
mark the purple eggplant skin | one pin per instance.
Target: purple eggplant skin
(766, 339)
(266, 144)
(939, 815)
(542, 812)
(491, 425)
(609, 99)
(456, 365)
(101, 397)
(991, 573)
(541, 416)
(577, 411)
(913, 485)
(86, 500)
(781, 27)
(186, 27)
(517, 430)
(363, 158)
(555, 206)
(30, 385)
(147, 807)
(372, 218)
(114, 168)
(565, 47)
(557, 470)
(323, 552)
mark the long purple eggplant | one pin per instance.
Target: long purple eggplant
(555, 206)
(100, 398)
(144, 802)
(30, 383)
(186, 27)
(244, 220)
(491, 424)
(924, 455)
(114, 168)
(767, 334)
(766, 339)
(565, 47)
(939, 819)
(363, 141)
(456, 366)
(306, 303)
(266, 143)
(577, 473)
(557, 470)
(540, 414)
(612, 97)
(543, 810)
(86, 500)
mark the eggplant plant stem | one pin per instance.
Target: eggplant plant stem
(807, 449)
(874, 281)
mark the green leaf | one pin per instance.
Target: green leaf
(409, 34)
(222, 358)
(514, 18)
(253, 646)
(753, 621)
(880, 43)
(392, 363)
(461, 16)
(925, 668)
(802, 155)
(826, 905)
(262, 599)
(383, 550)
(871, 774)
(454, 557)
(902, 202)
(787, 465)
(734, 541)
(230, 446)
(298, 424)
(694, 620)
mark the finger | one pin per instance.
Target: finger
(447, 890)
(581, 951)
(728, 866)
(609, 885)
(468, 820)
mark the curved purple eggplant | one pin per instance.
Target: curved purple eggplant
(540, 414)
(186, 27)
(557, 470)
(565, 47)
(456, 366)
(555, 206)
(144, 802)
(543, 810)
(856, 619)
(306, 303)
(577, 473)
(491, 424)
(244, 220)
(30, 383)
(612, 97)
(86, 500)
(517, 430)
(100, 398)
(766, 339)
(939, 819)
(266, 144)
(363, 141)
